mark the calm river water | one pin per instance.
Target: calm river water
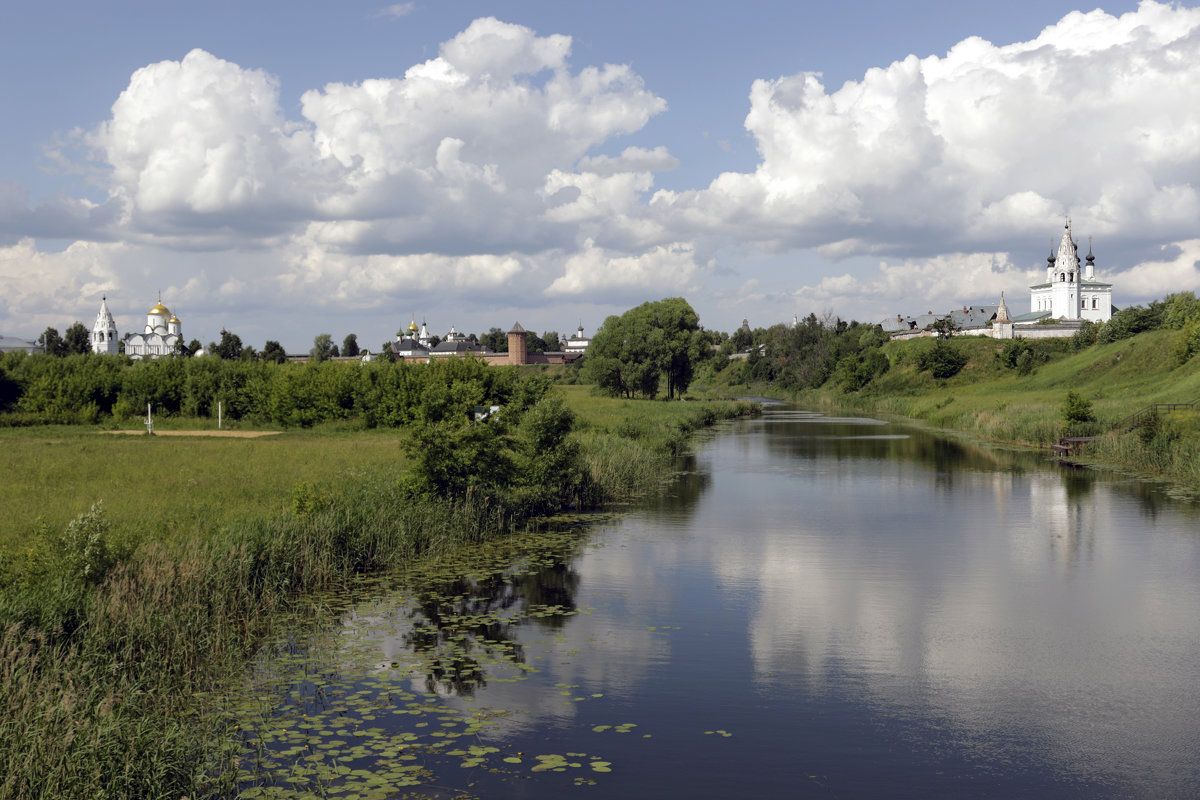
(819, 607)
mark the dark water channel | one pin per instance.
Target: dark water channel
(818, 607)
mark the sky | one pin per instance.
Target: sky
(283, 170)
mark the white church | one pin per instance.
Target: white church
(1070, 293)
(162, 336)
(1069, 296)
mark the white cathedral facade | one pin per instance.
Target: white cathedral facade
(162, 337)
(1071, 292)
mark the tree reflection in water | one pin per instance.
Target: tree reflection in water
(464, 624)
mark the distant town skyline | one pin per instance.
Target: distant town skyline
(283, 171)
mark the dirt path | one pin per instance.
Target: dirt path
(224, 434)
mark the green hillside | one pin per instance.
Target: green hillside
(990, 400)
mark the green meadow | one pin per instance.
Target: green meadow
(173, 486)
(139, 573)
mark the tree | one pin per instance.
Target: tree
(322, 347)
(944, 327)
(52, 343)
(77, 340)
(534, 343)
(273, 351)
(1077, 408)
(495, 340)
(194, 347)
(553, 341)
(942, 361)
(350, 345)
(631, 354)
(333, 351)
(230, 346)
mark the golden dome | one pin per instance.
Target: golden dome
(412, 327)
(160, 310)
(174, 320)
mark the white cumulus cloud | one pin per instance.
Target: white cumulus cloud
(1097, 118)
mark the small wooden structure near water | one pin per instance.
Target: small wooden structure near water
(1071, 445)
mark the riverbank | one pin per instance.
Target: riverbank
(1001, 399)
(112, 635)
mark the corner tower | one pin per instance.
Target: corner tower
(516, 345)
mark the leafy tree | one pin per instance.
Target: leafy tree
(631, 354)
(387, 353)
(333, 351)
(229, 348)
(273, 352)
(944, 327)
(553, 342)
(77, 340)
(942, 361)
(856, 371)
(350, 345)
(322, 348)
(52, 342)
(534, 343)
(495, 340)
(1077, 408)
(1179, 309)
(742, 340)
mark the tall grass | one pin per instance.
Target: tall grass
(107, 655)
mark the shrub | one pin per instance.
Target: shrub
(942, 361)
(1077, 408)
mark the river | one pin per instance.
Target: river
(817, 607)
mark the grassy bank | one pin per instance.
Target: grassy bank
(993, 401)
(172, 487)
(113, 631)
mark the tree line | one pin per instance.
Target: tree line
(37, 389)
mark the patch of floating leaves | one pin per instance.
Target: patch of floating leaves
(352, 723)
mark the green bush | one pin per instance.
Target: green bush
(942, 361)
(1077, 408)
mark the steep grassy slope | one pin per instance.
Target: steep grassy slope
(992, 401)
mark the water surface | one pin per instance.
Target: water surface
(818, 607)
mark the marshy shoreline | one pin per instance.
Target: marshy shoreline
(111, 640)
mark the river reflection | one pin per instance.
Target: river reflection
(819, 607)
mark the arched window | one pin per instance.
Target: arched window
(1062, 277)
(1093, 302)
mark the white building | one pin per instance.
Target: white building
(105, 340)
(578, 343)
(162, 337)
(1069, 293)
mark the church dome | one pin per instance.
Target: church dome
(174, 320)
(160, 310)
(412, 327)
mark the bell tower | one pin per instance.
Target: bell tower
(104, 331)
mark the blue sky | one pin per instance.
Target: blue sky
(285, 170)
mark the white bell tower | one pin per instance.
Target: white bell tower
(104, 331)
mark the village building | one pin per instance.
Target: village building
(578, 343)
(1070, 296)
(13, 344)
